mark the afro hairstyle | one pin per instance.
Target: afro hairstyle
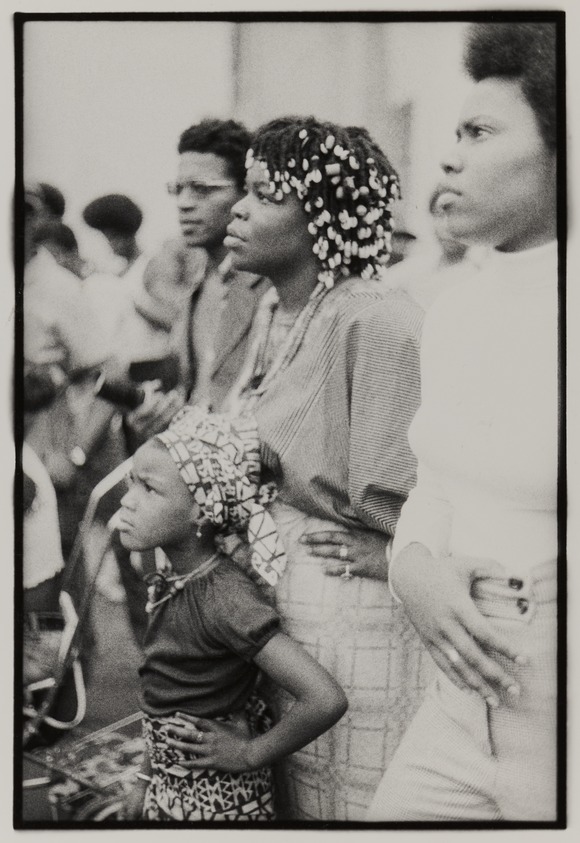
(226, 138)
(521, 51)
(114, 211)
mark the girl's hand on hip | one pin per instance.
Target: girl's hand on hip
(210, 744)
(436, 593)
(356, 553)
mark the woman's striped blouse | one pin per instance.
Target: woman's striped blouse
(334, 424)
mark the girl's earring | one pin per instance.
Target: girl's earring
(198, 531)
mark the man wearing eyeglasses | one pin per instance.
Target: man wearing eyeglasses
(213, 306)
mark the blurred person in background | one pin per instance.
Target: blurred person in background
(61, 336)
(476, 549)
(62, 351)
(62, 244)
(53, 201)
(63, 348)
(130, 331)
(437, 264)
(118, 219)
(47, 202)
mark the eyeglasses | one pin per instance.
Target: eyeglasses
(199, 189)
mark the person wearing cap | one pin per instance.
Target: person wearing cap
(131, 331)
(118, 218)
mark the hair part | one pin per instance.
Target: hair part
(525, 52)
(345, 183)
(226, 138)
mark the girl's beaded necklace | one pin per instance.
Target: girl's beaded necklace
(162, 583)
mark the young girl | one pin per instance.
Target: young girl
(212, 629)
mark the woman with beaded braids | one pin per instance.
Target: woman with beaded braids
(332, 377)
(475, 555)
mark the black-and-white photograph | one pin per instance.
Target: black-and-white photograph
(290, 420)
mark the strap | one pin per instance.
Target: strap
(74, 619)
(63, 725)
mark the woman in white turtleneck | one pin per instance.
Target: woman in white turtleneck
(475, 552)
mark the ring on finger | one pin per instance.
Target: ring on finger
(452, 655)
(347, 574)
(343, 552)
(198, 738)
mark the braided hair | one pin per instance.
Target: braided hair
(345, 184)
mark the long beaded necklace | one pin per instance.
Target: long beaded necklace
(162, 586)
(254, 378)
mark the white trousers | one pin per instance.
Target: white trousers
(460, 759)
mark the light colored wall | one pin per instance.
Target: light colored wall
(403, 81)
(105, 103)
(424, 71)
(332, 70)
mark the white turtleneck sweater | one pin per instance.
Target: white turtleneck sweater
(486, 432)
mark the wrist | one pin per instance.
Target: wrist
(405, 562)
(251, 755)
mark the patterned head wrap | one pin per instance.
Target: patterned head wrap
(218, 458)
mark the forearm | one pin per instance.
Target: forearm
(319, 703)
(426, 516)
(409, 553)
(304, 722)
